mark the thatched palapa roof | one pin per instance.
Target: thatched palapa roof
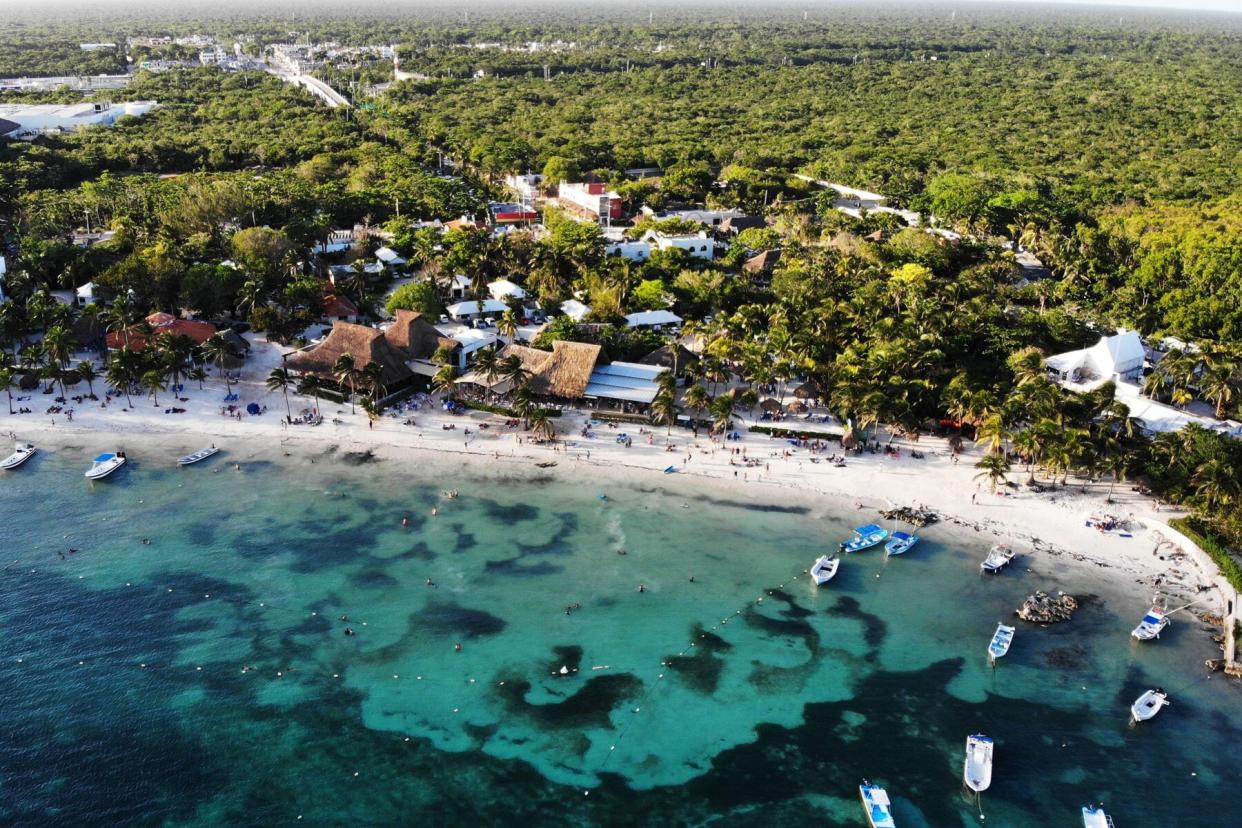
(366, 344)
(414, 336)
(663, 356)
(568, 371)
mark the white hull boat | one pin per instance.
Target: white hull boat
(1146, 706)
(900, 543)
(998, 558)
(977, 773)
(197, 457)
(1093, 816)
(105, 464)
(1001, 641)
(876, 803)
(824, 569)
(865, 537)
(21, 453)
(1152, 625)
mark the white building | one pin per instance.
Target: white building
(651, 319)
(502, 290)
(1155, 417)
(526, 187)
(698, 245)
(86, 295)
(702, 215)
(591, 199)
(26, 120)
(1118, 358)
(463, 311)
(389, 257)
(574, 309)
(635, 251)
(472, 341)
(624, 382)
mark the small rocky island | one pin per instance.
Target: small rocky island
(917, 516)
(1042, 608)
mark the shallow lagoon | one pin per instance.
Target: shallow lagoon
(217, 683)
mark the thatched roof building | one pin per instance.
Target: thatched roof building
(663, 357)
(366, 344)
(568, 371)
(415, 337)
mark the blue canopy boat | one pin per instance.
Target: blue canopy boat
(900, 543)
(879, 809)
(865, 537)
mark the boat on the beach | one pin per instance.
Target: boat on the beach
(1093, 816)
(824, 569)
(1001, 640)
(1152, 625)
(197, 457)
(998, 558)
(877, 805)
(1146, 706)
(105, 464)
(21, 453)
(865, 537)
(977, 773)
(900, 543)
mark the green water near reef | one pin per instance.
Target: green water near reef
(217, 682)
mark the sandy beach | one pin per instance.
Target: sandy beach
(1050, 527)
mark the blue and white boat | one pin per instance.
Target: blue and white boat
(1093, 816)
(1001, 641)
(824, 569)
(879, 809)
(865, 537)
(900, 543)
(1152, 625)
(977, 772)
(105, 464)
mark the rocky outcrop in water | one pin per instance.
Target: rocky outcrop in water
(917, 516)
(1042, 608)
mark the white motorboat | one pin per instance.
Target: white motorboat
(1152, 625)
(198, 456)
(998, 558)
(865, 537)
(1146, 706)
(875, 801)
(900, 543)
(977, 773)
(105, 464)
(1001, 640)
(21, 453)
(1093, 816)
(824, 569)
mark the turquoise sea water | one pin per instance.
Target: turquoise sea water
(206, 678)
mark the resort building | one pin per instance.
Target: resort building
(161, 324)
(1118, 358)
(466, 311)
(701, 215)
(502, 290)
(592, 200)
(697, 245)
(651, 319)
(365, 344)
(340, 309)
(572, 371)
(86, 295)
(574, 309)
(511, 212)
(635, 251)
(390, 258)
(28, 120)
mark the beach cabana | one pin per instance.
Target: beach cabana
(771, 405)
(415, 337)
(796, 407)
(808, 391)
(665, 355)
(568, 372)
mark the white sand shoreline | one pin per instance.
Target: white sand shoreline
(1050, 527)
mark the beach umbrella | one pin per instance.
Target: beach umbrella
(71, 377)
(253, 408)
(796, 407)
(806, 391)
(28, 382)
(770, 405)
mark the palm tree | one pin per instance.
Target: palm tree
(124, 369)
(216, 349)
(153, 382)
(1118, 464)
(280, 380)
(522, 401)
(994, 467)
(1027, 444)
(722, 412)
(59, 349)
(1214, 483)
(309, 385)
(664, 409)
(198, 374)
(345, 369)
(507, 325)
(486, 363)
(6, 382)
(993, 432)
(697, 399)
(444, 382)
(1026, 364)
(373, 381)
(540, 424)
(1217, 386)
(86, 370)
(513, 371)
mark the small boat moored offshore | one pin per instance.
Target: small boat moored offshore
(1093, 816)
(1146, 706)
(105, 464)
(879, 809)
(998, 558)
(900, 543)
(1001, 640)
(21, 453)
(865, 537)
(1152, 625)
(824, 569)
(200, 455)
(977, 773)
